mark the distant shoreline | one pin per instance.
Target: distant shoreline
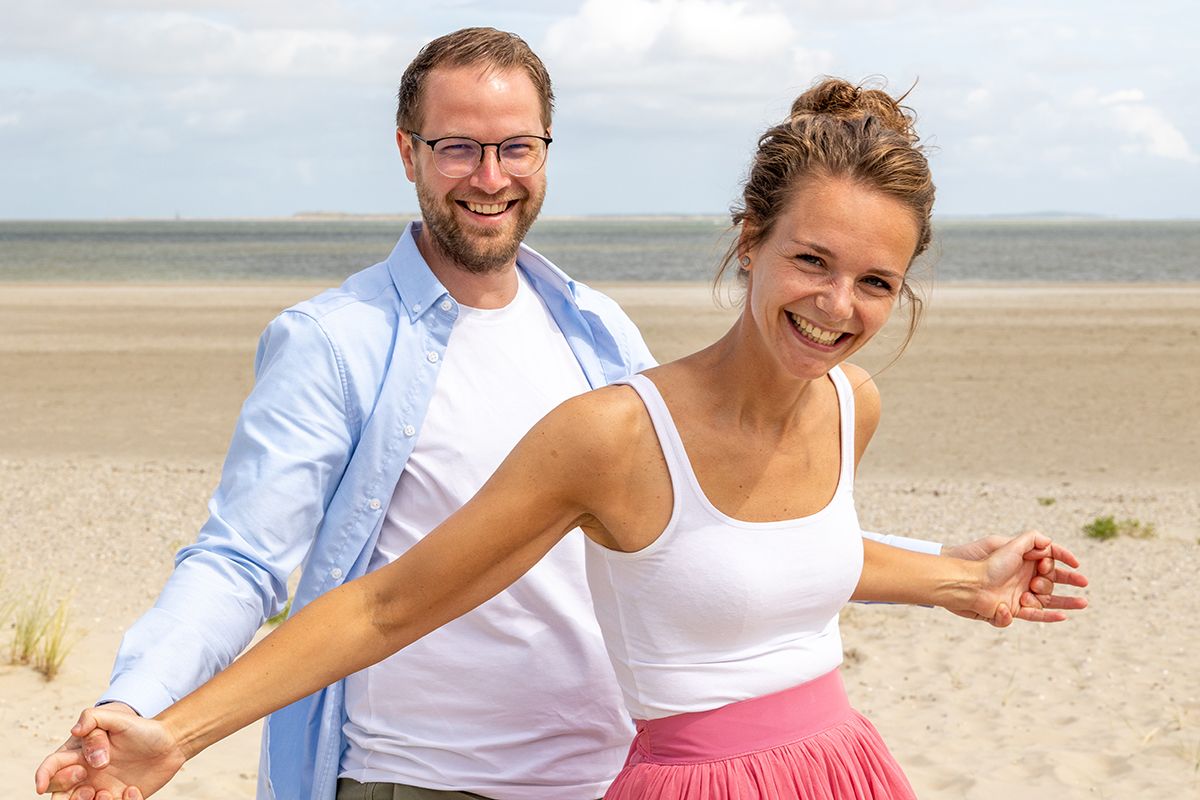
(716, 218)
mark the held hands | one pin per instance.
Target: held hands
(1009, 579)
(1038, 603)
(142, 756)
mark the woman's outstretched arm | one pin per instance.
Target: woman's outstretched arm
(991, 589)
(542, 490)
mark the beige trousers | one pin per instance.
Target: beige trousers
(353, 790)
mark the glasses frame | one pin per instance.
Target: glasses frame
(483, 146)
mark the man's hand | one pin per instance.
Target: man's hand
(73, 758)
(1038, 603)
(129, 755)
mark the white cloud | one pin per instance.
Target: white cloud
(608, 34)
(134, 41)
(1122, 96)
(187, 44)
(1158, 136)
(1150, 129)
(672, 64)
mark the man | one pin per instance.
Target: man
(379, 408)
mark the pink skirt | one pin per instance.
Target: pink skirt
(804, 743)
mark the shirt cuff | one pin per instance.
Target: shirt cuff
(147, 698)
(906, 543)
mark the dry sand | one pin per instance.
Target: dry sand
(1013, 407)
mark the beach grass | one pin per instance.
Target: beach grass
(1108, 527)
(7, 604)
(53, 647)
(30, 623)
(40, 632)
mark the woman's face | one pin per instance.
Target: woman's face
(825, 279)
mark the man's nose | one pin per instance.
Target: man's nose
(489, 177)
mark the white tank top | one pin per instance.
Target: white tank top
(718, 610)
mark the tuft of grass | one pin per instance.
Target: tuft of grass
(1136, 529)
(1105, 528)
(53, 648)
(7, 604)
(281, 616)
(1102, 528)
(29, 626)
(1046, 501)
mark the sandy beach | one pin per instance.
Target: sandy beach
(1013, 407)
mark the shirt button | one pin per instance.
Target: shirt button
(446, 305)
(432, 356)
(375, 504)
(417, 308)
(409, 430)
(335, 573)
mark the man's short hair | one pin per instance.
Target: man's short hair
(485, 47)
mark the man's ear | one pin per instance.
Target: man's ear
(405, 143)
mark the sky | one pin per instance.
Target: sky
(230, 108)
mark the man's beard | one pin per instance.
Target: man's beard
(478, 252)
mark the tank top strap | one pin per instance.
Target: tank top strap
(845, 393)
(678, 466)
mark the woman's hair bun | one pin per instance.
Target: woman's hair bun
(843, 100)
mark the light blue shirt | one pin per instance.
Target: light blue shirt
(342, 385)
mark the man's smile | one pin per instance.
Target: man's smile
(486, 209)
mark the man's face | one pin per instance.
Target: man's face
(477, 221)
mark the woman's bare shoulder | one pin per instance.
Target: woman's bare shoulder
(603, 419)
(867, 403)
(865, 389)
(598, 443)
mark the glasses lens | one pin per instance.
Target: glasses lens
(522, 155)
(456, 158)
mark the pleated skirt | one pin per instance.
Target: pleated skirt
(804, 743)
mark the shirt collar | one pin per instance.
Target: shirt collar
(420, 289)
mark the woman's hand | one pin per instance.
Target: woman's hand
(1005, 581)
(1039, 603)
(142, 756)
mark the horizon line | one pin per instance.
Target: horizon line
(405, 216)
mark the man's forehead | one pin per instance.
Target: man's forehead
(480, 93)
(484, 74)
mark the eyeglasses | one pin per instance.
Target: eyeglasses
(458, 156)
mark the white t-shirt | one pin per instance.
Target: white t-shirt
(516, 700)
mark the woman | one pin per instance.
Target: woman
(716, 497)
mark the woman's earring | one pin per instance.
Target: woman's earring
(744, 261)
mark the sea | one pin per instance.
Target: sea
(592, 249)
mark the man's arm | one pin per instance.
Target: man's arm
(907, 543)
(289, 449)
(288, 452)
